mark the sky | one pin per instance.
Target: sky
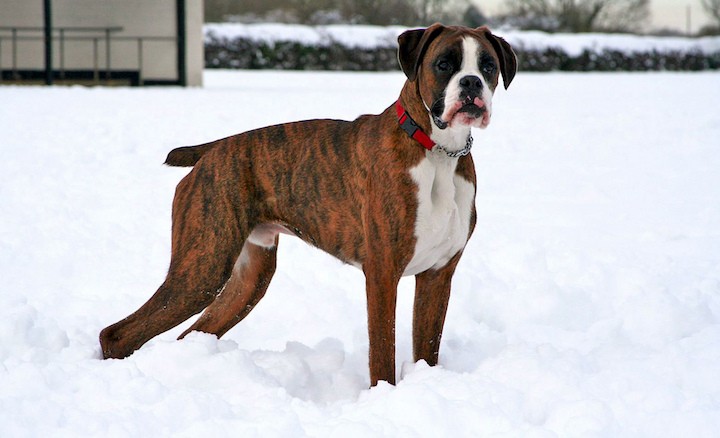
(670, 14)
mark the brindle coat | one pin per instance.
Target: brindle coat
(341, 186)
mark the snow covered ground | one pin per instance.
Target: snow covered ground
(587, 303)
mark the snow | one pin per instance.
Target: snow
(576, 44)
(586, 304)
(362, 36)
(379, 36)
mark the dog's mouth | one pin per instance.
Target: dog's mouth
(472, 107)
(468, 111)
(471, 111)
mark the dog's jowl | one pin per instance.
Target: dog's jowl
(393, 194)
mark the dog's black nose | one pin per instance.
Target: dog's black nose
(471, 84)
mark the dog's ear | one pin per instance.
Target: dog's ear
(508, 60)
(412, 45)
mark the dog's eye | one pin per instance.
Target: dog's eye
(444, 66)
(489, 68)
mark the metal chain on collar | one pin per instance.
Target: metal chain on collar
(462, 152)
(413, 130)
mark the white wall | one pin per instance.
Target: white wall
(194, 42)
(146, 18)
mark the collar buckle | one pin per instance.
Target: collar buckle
(408, 125)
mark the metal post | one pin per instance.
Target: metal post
(14, 54)
(96, 74)
(140, 61)
(48, 42)
(62, 53)
(107, 55)
(181, 45)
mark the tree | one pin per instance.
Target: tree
(474, 17)
(305, 9)
(446, 11)
(579, 15)
(380, 12)
(217, 11)
(712, 8)
(427, 9)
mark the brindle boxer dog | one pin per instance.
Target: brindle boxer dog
(392, 194)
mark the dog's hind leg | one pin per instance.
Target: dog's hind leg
(249, 281)
(177, 299)
(207, 240)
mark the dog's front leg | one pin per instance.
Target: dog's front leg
(381, 289)
(432, 293)
(389, 245)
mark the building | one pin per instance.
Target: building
(137, 42)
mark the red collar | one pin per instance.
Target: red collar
(411, 128)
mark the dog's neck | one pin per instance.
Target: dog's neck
(454, 140)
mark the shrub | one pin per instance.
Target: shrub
(244, 53)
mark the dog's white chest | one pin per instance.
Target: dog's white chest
(443, 218)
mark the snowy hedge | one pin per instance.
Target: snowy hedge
(372, 48)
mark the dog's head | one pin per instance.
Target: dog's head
(457, 70)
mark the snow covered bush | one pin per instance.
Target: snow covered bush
(373, 48)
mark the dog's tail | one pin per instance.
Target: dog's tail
(187, 156)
